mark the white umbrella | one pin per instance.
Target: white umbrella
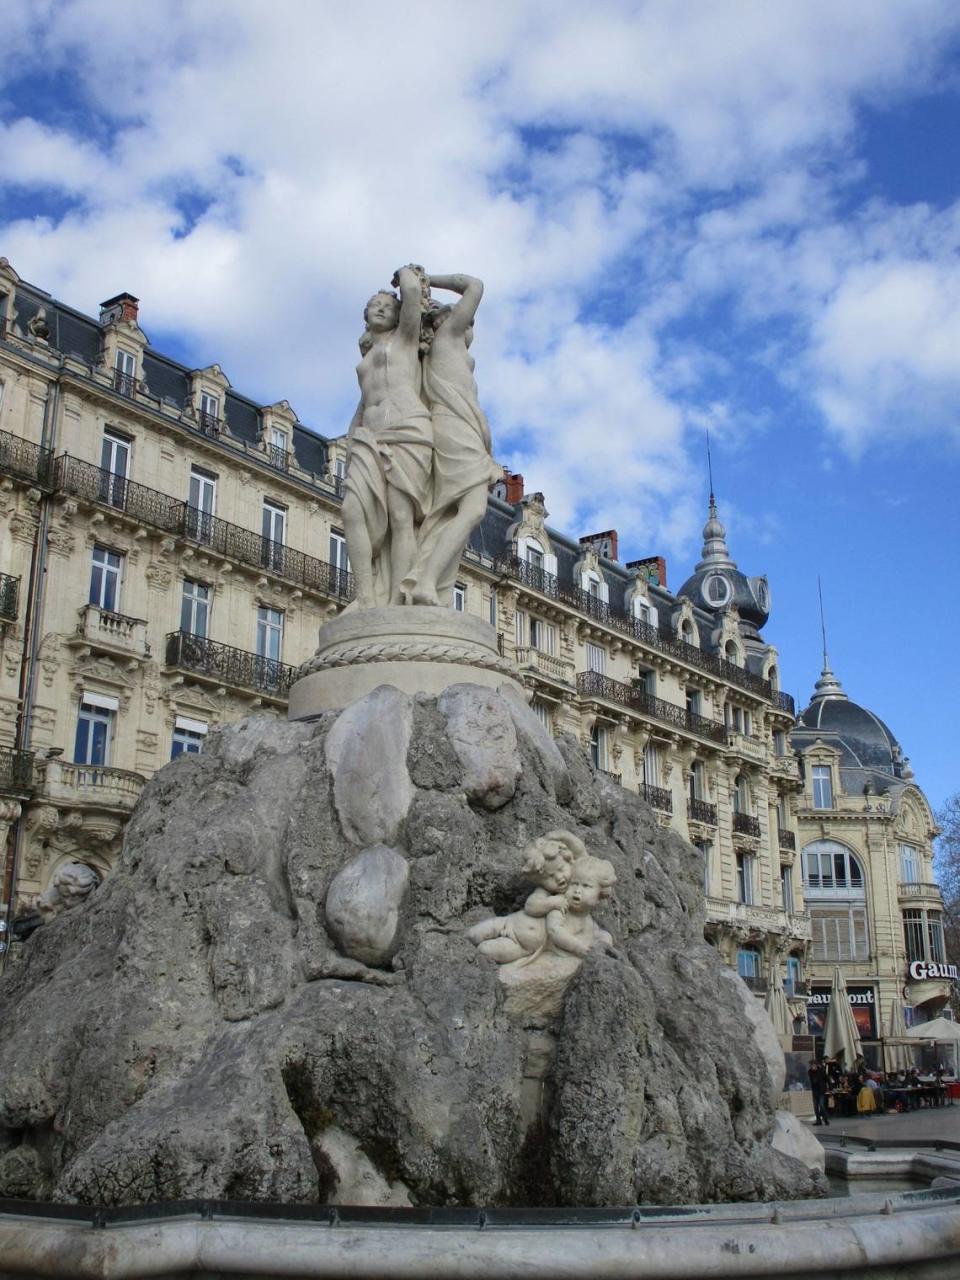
(840, 1036)
(897, 1056)
(939, 1030)
(776, 1005)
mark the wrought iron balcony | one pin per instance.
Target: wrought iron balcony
(160, 511)
(702, 811)
(795, 988)
(745, 824)
(9, 597)
(659, 798)
(756, 984)
(16, 772)
(211, 424)
(278, 457)
(591, 684)
(227, 665)
(125, 383)
(25, 460)
(548, 584)
(787, 840)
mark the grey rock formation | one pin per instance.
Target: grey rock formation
(363, 904)
(193, 1030)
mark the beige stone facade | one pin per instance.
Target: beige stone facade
(171, 549)
(866, 834)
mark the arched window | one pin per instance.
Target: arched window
(748, 966)
(688, 633)
(773, 675)
(740, 798)
(833, 886)
(794, 975)
(732, 653)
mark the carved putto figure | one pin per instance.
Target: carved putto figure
(540, 948)
(418, 448)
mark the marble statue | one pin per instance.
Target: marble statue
(540, 948)
(71, 884)
(419, 459)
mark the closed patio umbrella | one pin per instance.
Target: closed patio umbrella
(776, 1005)
(840, 1035)
(896, 1056)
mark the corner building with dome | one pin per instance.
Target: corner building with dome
(866, 834)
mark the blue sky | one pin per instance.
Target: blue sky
(689, 216)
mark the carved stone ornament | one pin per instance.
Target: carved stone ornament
(72, 883)
(540, 947)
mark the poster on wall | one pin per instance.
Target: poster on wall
(862, 1005)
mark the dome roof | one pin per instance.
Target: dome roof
(865, 741)
(717, 584)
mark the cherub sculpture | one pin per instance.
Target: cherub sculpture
(540, 948)
(547, 862)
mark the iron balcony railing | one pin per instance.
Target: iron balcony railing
(702, 811)
(210, 424)
(548, 584)
(796, 987)
(745, 824)
(125, 383)
(171, 515)
(25, 460)
(591, 684)
(787, 840)
(9, 597)
(756, 984)
(278, 457)
(16, 772)
(614, 777)
(222, 662)
(657, 797)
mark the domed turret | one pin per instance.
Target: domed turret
(717, 583)
(862, 738)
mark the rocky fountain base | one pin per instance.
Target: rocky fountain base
(282, 994)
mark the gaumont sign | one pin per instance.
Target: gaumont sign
(922, 969)
(862, 1006)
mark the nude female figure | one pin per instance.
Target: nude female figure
(389, 447)
(463, 467)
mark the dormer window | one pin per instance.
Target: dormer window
(534, 556)
(822, 786)
(209, 411)
(278, 448)
(125, 372)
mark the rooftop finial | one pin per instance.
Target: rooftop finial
(828, 686)
(710, 468)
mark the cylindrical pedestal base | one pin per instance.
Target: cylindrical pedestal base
(416, 648)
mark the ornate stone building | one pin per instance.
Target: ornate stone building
(866, 834)
(171, 548)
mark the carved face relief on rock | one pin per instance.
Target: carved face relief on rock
(71, 884)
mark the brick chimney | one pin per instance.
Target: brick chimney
(605, 544)
(124, 307)
(653, 568)
(510, 487)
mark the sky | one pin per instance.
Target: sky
(741, 218)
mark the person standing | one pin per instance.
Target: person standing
(818, 1087)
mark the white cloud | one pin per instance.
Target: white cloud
(325, 144)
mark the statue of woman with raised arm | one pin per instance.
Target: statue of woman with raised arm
(389, 446)
(463, 467)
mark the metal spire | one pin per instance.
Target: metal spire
(828, 686)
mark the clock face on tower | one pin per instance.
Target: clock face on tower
(716, 590)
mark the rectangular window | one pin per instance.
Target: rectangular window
(909, 864)
(534, 556)
(598, 747)
(278, 439)
(125, 372)
(269, 633)
(651, 765)
(209, 408)
(935, 937)
(822, 787)
(460, 597)
(839, 933)
(705, 855)
(274, 527)
(913, 935)
(105, 579)
(519, 629)
(745, 877)
(115, 469)
(748, 963)
(338, 551)
(543, 636)
(188, 737)
(94, 731)
(786, 887)
(693, 701)
(201, 504)
(195, 609)
(544, 713)
(492, 607)
(596, 658)
(779, 742)
(340, 468)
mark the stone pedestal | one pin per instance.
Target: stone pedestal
(418, 649)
